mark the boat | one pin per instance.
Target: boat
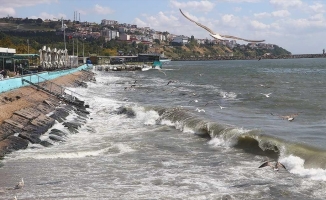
(163, 59)
(157, 64)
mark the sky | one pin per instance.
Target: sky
(298, 26)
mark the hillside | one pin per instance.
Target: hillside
(31, 35)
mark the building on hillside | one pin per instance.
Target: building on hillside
(122, 29)
(106, 22)
(180, 40)
(124, 37)
(109, 34)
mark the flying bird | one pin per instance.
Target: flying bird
(275, 166)
(266, 95)
(200, 110)
(216, 35)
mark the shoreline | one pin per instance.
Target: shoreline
(29, 112)
(253, 58)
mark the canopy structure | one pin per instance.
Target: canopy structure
(25, 56)
(6, 55)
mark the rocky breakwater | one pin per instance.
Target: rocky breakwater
(28, 113)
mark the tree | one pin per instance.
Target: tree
(39, 21)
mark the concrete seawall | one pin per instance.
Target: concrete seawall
(27, 111)
(16, 82)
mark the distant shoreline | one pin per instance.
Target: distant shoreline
(254, 58)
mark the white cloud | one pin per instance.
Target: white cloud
(140, 23)
(317, 17)
(317, 7)
(281, 13)
(4, 12)
(258, 25)
(286, 3)
(241, 1)
(203, 5)
(20, 3)
(261, 15)
(102, 10)
(44, 15)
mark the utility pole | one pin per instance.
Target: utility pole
(27, 46)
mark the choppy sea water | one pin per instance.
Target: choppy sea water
(194, 130)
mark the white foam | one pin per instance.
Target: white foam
(146, 117)
(295, 165)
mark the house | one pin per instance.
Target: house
(124, 37)
(105, 22)
(109, 34)
(180, 40)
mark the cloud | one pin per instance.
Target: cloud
(4, 12)
(281, 13)
(286, 3)
(241, 1)
(261, 15)
(102, 10)
(20, 3)
(97, 9)
(205, 6)
(140, 23)
(44, 15)
(317, 7)
(258, 25)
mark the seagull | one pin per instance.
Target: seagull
(162, 72)
(266, 95)
(192, 101)
(221, 106)
(20, 184)
(200, 110)
(275, 167)
(289, 117)
(216, 35)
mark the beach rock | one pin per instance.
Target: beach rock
(57, 138)
(60, 114)
(127, 111)
(45, 143)
(58, 132)
(72, 126)
(13, 143)
(33, 138)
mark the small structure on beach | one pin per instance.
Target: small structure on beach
(56, 58)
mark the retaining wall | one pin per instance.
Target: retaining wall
(16, 82)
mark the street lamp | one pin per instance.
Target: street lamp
(63, 28)
(27, 46)
(83, 49)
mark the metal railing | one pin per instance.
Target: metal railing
(54, 88)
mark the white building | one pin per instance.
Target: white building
(181, 39)
(124, 37)
(108, 22)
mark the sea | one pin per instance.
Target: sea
(193, 130)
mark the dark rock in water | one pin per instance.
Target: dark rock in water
(58, 133)
(60, 114)
(127, 111)
(72, 127)
(33, 138)
(86, 106)
(45, 143)
(5, 131)
(12, 143)
(57, 138)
